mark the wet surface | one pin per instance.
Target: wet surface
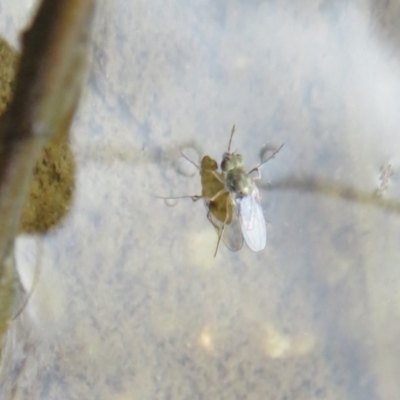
(131, 303)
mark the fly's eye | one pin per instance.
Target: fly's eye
(226, 163)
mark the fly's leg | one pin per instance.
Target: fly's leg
(218, 229)
(258, 177)
(223, 227)
(220, 177)
(222, 191)
(220, 233)
(257, 168)
(188, 159)
(194, 198)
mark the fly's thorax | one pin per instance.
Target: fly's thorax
(231, 161)
(239, 182)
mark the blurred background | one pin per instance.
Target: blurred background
(130, 302)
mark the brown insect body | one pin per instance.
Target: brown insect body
(221, 211)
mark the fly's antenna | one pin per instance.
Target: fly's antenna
(230, 139)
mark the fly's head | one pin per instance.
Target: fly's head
(231, 161)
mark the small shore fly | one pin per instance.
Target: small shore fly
(220, 211)
(245, 197)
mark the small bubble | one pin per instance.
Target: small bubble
(188, 166)
(171, 202)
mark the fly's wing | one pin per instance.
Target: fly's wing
(252, 221)
(231, 231)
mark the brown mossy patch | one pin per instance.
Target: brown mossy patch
(53, 176)
(52, 187)
(9, 61)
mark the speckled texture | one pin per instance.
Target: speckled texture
(52, 188)
(131, 303)
(9, 60)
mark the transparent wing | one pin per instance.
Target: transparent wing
(231, 231)
(252, 220)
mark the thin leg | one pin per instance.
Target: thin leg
(220, 233)
(219, 176)
(222, 191)
(194, 198)
(219, 229)
(225, 223)
(258, 177)
(187, 158)
(259, 165)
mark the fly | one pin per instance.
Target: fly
(245, 197)
(232, 200)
